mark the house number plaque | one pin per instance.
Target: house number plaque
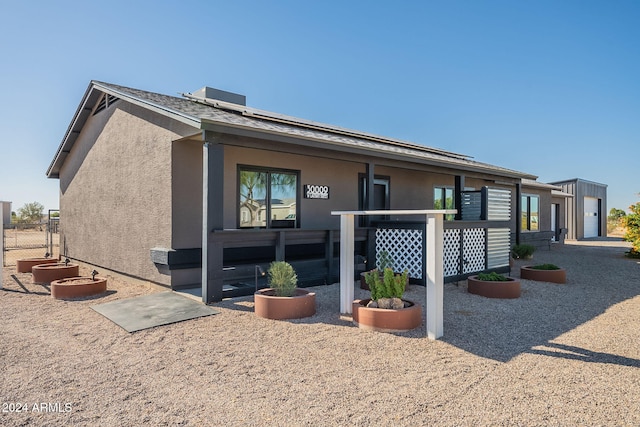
(316, 191)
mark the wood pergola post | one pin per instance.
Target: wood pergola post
(434, 260)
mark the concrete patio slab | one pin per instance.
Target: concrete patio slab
(135, 314)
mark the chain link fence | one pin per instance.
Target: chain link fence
(31, 240)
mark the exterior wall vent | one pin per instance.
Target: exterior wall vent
(105, 102)
(220, 95)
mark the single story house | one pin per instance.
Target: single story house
(200, 189)
(586, 209)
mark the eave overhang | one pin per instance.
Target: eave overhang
(363, 147)
(84, 111)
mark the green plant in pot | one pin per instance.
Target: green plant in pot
(282, 278)
(523, 251)
(386, 289)
(492, 277)
(283, 299)
(384, 262)
(493, 285)
(548, 267)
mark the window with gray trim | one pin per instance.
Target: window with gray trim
(530, 216)
(268, 198)
(443, 199)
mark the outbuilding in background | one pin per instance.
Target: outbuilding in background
(586, 211)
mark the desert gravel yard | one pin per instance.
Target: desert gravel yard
(560, 355)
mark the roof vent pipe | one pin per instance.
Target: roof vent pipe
(220, 95)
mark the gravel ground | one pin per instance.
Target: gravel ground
(561, 355)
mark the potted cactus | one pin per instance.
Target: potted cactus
(386, 310)
(384, 261)
(283, 299)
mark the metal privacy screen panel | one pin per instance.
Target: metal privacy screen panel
(148, 311)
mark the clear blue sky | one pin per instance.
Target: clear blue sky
(550, 88)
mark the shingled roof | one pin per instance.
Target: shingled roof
(209, 114)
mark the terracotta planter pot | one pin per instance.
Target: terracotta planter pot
(78, 287)
(47, 273)
(386, 320)
(554, 276)
(25, 265)
(268, 305)
(494, 289)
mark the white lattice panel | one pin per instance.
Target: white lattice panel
(451, 252)
(473, 251)
(404, 246)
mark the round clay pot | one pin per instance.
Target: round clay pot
(554, 276)
(78, 287)
(494, 289)
(47, 273)
(268, 305)
(25, 265)
(386, 320)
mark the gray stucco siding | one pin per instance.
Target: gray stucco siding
(340, 175)
(116, 190)
(186, 188)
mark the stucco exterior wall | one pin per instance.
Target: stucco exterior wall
(543, 207)
(186, 187)
(115, 190)
(340, 175)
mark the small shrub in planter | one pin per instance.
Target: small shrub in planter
(386, 289)
(544, 273)
(492, 277)
(386, 310)
(493, 285)
(282, 278)
(545, 267)
(523, 251)
(282, 299)
(384, 261)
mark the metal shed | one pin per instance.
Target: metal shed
(586, 212)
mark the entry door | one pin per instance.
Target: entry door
(591, 217)
(381, 197)
(380, 194)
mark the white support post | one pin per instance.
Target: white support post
(434, 262)
(347, 222)
(435, 278)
